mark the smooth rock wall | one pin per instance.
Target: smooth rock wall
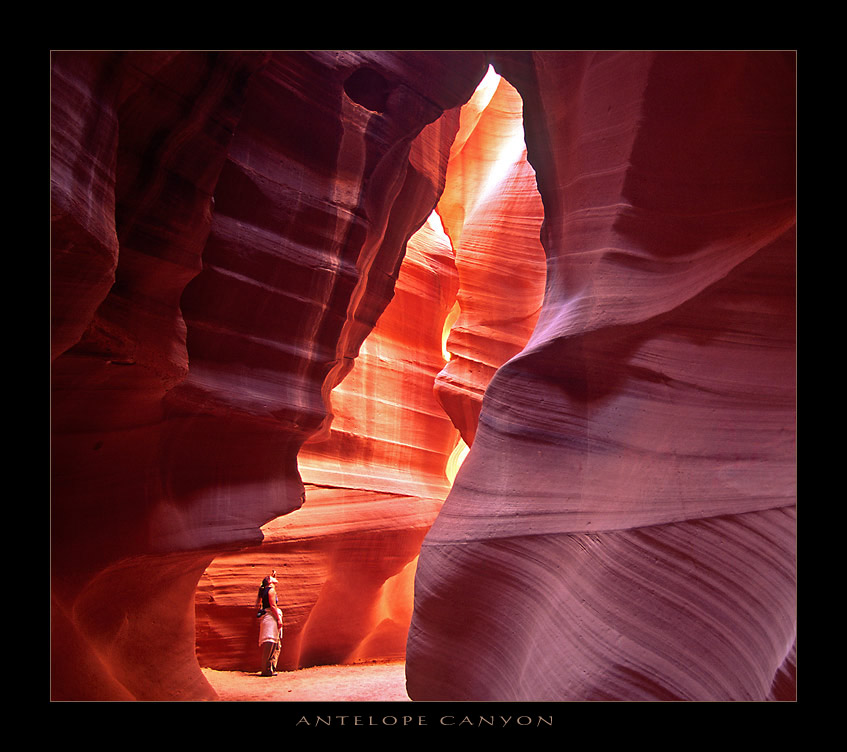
(226, 230)
(623, 526)
(374, 484)
(492, 212)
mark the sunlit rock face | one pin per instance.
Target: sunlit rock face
(492, 211)
(231, 319)
(226, 230)
(374, 484)
(624, 525)
(388, 432)
(346, 571)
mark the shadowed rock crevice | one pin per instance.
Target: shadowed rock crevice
(368, 88)
(391, 445)
(191, 449)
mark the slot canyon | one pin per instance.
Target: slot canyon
(491, 355)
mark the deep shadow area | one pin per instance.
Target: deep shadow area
(368, 88)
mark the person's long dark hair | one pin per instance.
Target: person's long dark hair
(263, 589)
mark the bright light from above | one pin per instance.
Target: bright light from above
(448, 325)
(437, 226)
(485, 91)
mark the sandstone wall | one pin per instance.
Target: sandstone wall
(376, 480)
(374, 484)
(226, 230)
(623, 526)
(231, 319)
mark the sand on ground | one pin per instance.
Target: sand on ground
(372, 682)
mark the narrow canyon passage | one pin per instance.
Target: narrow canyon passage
(549, 456)
(468, 294)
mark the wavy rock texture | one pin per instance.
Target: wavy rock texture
(623, 527)
(492, 211)
(227, 231)
(345, 563)
(227, 228)
(388, 432)
(374, 484)
(391, 445)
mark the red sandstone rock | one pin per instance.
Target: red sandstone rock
(389, 433)
(346, 560)
(227, 232)
(345, 563)
(84, 247)
(253, 213)
(623, 527)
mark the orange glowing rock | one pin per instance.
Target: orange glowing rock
(251, 291)
(375, 482)
(345, 562)
(390, 445)
(388, 432)
(492, 212)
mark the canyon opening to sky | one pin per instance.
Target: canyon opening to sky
(468, 294)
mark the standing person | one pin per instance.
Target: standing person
(270, 624)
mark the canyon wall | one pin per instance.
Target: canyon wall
(624, 524)
(226, 230)
(268, 353)
(373, 486)
(492, 212)
(376, 480)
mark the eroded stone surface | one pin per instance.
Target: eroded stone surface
(392, 445)
(643, 441)
(227, 228)
(374, 484)
(492, 211)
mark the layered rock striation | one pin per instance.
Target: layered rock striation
(266, 354)
(376, 479)
(492, 212)
(227, 229)
(623, 526)
(373, 486)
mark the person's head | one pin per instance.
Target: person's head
(269, 580)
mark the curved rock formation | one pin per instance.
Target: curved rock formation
(345, 563)
(227, 228)
(374, 484)
(623, 526)
(391, 446)
(388, 432)
(492, 212)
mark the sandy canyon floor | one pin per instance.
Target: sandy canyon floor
(375, 682)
